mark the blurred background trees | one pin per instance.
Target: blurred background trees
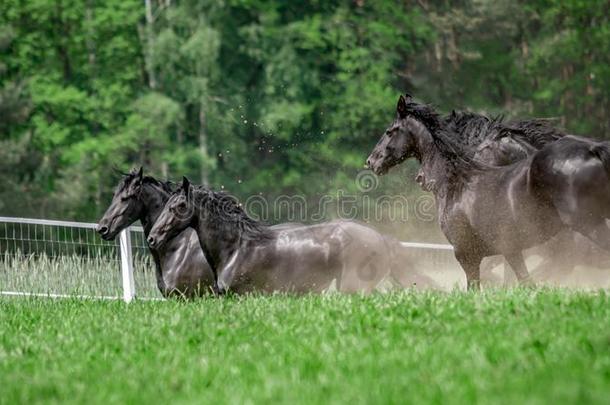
(272, 97)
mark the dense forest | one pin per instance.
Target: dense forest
(268, 97)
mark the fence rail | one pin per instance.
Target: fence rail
(53, 222)
(35, 253)
(57, 259)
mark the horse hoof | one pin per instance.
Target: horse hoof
(474, 286)
(528, 283)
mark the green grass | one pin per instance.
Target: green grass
(503, 346)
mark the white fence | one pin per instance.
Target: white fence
(68, 259)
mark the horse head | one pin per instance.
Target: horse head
(177, 215)
(125, 208)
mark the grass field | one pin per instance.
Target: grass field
(502, 346)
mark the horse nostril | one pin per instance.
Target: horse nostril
(151, 240)
(368, 162)
(102, 230)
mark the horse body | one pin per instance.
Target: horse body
(506, 217)
(308, 259)
(573, 174)
(180, 266)
(487, 210)
(248, 256)
(500, 143)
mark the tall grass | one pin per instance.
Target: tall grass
(96, 274)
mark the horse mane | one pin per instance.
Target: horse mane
(458, 154)
(537, 131)
(226, 210)
(424, 113)
(458, 134)
(471, 128)
(166, 186)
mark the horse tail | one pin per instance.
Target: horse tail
(602, 152)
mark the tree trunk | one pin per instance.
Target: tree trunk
(90, 41)
(152, 82)
(203, 146)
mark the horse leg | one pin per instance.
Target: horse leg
(471, 264)
(509, 276)
(598, 234)
(517, 263)
(545, 270)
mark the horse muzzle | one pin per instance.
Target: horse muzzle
(153, 241)
(104, 231)
(376, 166)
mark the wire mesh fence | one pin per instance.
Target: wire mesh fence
(69, 258)
(60, 258)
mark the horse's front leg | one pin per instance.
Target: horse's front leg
(517, 263)
(471, 263)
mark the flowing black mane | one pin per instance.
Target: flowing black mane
(426, 114)
(458, 134)
(226, 210)
(166, 186)
(458, 154)
(538, 131)
(473, 128)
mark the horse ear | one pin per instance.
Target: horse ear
(401, 107)
(186, 185)
(136, 178)
(139, 175)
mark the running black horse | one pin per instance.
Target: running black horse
(248, 256)
(181, 267)
(499, 142)
(487, 210)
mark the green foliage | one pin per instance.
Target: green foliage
(268, 97)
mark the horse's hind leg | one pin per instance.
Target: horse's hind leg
(517, 263)
(599, 234)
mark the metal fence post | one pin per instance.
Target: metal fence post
(129, 288)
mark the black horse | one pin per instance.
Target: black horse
(181, 267)
(499, 142)
(248, 256)
(487, 210)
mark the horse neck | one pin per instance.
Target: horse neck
(219, 240)
(153, 199)
(433, 164)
